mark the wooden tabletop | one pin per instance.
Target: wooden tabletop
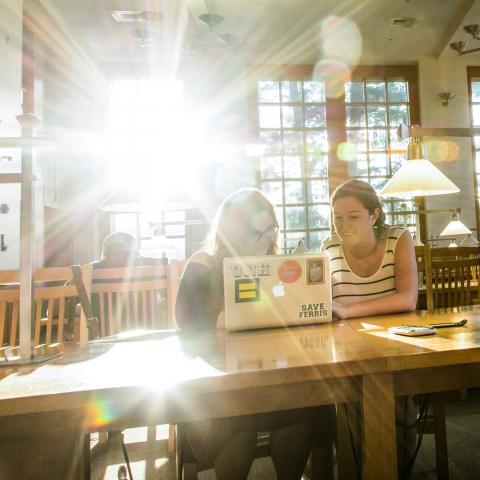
(220, 367)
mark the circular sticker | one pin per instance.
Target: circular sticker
(289, 271)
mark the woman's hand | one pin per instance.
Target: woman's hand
(339, 311)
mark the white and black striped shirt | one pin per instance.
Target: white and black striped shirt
(348, 287)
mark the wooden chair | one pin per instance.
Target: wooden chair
(130, 298)
(9, 307)
(52, 289)
(137, 298)
(424, 268)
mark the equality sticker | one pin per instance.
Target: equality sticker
(289, 271)
(247, 290)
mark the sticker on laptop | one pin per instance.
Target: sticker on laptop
(289, 271)
(315, 271)
(247, 290)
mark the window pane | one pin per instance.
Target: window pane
(313, 92)
(354, 92)
(269, 117)
(292, 167)
(295, 217)
(377, 116)
(397, 91)
(272, 140)
(378, 163)
(375, 91)
(476, 115)
(271, 167)
(355, 116)
(291, 92)
(396, 143)
(358, 167)
(273, 191)
(319, 216)
(317, 142)
(396, 162)
(475, 91)
(378, 183)
(292, 117)
(358, 138)
(317, 166)
(377, 140)
(317, 191)
(315, 239)
(292, 142)
(279, 215)
(268, 92)
(315, 116)
(398, 114)
(294, 192)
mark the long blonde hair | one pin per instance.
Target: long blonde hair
(232, 215)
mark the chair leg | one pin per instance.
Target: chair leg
(172, 431)
(441, 450)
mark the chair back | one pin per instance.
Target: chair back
(455, 281)
(9, 306)
(54, 294)
(130, 298)
(424, 268)
(52, 291)
(175, 272)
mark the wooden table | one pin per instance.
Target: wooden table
(176, 379)
(447, 361)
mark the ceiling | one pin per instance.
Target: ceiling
(272, 31)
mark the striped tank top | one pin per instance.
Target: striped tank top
(347, 287)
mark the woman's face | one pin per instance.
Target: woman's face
(257, 236)
(353, 223)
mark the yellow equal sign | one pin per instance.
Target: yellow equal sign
(247, 290)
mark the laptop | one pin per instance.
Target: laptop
(277, 291)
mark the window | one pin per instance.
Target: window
(147, 122)
(294, 168)
(474, 93)
(374, 108)
(313, 143)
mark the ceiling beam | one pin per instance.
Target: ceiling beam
(459, 20)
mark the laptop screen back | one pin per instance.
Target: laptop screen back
(275, 291)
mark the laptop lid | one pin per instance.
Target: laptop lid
(277, 291)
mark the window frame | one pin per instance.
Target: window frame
(337, 169)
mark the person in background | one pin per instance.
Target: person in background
(374, 272)
(120, 250)
(245, 224)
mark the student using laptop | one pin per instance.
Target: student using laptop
(373, 272)
(245, 225)
(373, 265)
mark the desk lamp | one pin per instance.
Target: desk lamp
(455, 228)
(418, 176)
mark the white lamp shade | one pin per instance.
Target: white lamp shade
(469, 241)
(418, 178)
(455, 227)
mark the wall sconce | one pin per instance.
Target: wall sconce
(460, 47)
(446, 97)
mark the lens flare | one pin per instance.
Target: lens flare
(341, 40)
(347, 151)
(334, 73)
(443, 151)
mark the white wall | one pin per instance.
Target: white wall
(10, 99)
(453, 155)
